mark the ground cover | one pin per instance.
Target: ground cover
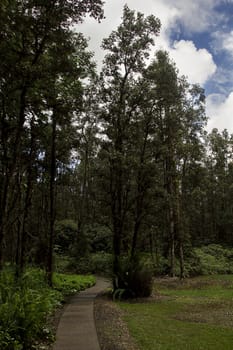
(195, 314)
(27, 304)
(71, 283)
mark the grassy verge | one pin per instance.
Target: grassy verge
(70, 283)
(193, 315)
(26, 304)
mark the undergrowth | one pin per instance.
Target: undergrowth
(26, 304)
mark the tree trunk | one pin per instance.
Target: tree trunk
(52, 200)
(181, 258)
(10, 166)
(2, 219)
(117, 227)
(141, 191)
(172, 242)
(27, 202)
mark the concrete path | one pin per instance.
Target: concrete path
(76, 329)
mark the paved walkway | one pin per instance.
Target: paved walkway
(76, 329)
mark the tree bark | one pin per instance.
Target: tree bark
(52, 200)
(28, 194)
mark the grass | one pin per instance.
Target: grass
(70, 283)
(196, 314)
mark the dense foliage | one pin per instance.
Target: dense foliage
(25, 306)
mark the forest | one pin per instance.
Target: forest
(113, 164)
(118, 161)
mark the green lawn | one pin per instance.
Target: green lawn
(193, 315)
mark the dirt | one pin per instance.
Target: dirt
(112, 331)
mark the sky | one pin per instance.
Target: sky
(198, 34)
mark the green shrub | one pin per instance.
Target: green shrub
(26, 303)
(99, 263)
(65, 233)
(206, 260)
(215, 259)
(82, 265)
(7, 342)
(134, 278)
(63, 264)
(24, 307)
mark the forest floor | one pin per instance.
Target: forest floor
(112, 330)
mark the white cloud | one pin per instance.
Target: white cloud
(196, 16)
(196, 64)
(224, 41)
(113, 12)
(228, 42)
(220, 111)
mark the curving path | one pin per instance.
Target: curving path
(76, 329)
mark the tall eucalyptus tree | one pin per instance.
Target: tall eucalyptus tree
(128, 48)
(32, 34)
(179, 117)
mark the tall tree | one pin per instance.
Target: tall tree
(128, 48)
(31, 33)
(180, 118)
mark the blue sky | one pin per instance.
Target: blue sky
(198, 34)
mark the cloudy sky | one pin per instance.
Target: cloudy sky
(198, 34)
